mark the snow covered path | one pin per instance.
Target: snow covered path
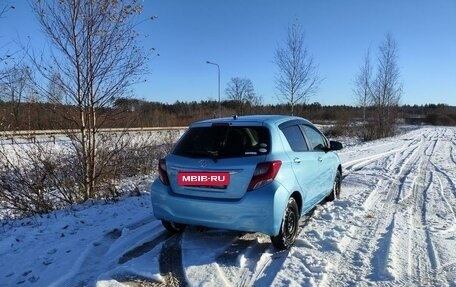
(407, 219)
(394, 225)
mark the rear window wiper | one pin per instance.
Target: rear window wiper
(201, 154)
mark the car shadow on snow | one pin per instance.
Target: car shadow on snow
(245, 259)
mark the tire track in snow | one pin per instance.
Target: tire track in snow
(143, 248)
(358, 164)
(386, 264)
(451, 208)
(171, 267)
(441, 214)
(452, 154)
(407, 161)
(413, 139)
(447, 177)
(422, 259)
(170, 263)
(271, 261)
(381, 265)
(101, 255)
(350, 261)
(92, 257)
(412, 222)
(436, 220)
(374, 244)
(251, 260)
(237, 263)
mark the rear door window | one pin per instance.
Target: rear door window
(224, 142)
(316, 139)
(295, 138)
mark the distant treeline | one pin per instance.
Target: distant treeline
(126, 113)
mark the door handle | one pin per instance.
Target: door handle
(297, 160)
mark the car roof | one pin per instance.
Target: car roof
(250, 119)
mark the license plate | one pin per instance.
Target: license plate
(203, 178)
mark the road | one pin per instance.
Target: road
(393, 225)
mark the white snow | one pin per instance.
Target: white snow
(394, 225)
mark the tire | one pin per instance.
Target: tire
(335, 192)
(289, 227)
(173, 227)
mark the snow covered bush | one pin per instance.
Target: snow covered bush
(42, 176)
(36, 178)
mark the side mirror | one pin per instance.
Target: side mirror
(335, 145)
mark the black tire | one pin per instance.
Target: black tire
(173, 227)
(289, 227)
(335, 192)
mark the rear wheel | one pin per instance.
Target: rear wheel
(289, 228)
(335, 192)
(173, 227)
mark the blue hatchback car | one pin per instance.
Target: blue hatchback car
(247, 173)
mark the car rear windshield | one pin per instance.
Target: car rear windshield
(224, 142)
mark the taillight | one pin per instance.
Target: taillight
(162, 171)
(264, 173)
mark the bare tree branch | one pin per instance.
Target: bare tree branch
(5, 7)
(241, 91)
(94, 60)
(15, 87)
(387, 87)
(363, 89)
(297, 78)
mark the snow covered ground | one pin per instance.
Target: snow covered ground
(394, 225)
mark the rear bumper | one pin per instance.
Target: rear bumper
(258, 211)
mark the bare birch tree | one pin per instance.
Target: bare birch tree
(297, 78)
(387, 88)
(96, 57)
(363, 89)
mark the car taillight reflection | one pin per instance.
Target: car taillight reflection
(264, 173)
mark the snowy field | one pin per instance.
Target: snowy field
(394, 225)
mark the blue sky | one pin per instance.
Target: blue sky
(241, 36)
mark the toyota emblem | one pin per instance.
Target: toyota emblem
(203, 163)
